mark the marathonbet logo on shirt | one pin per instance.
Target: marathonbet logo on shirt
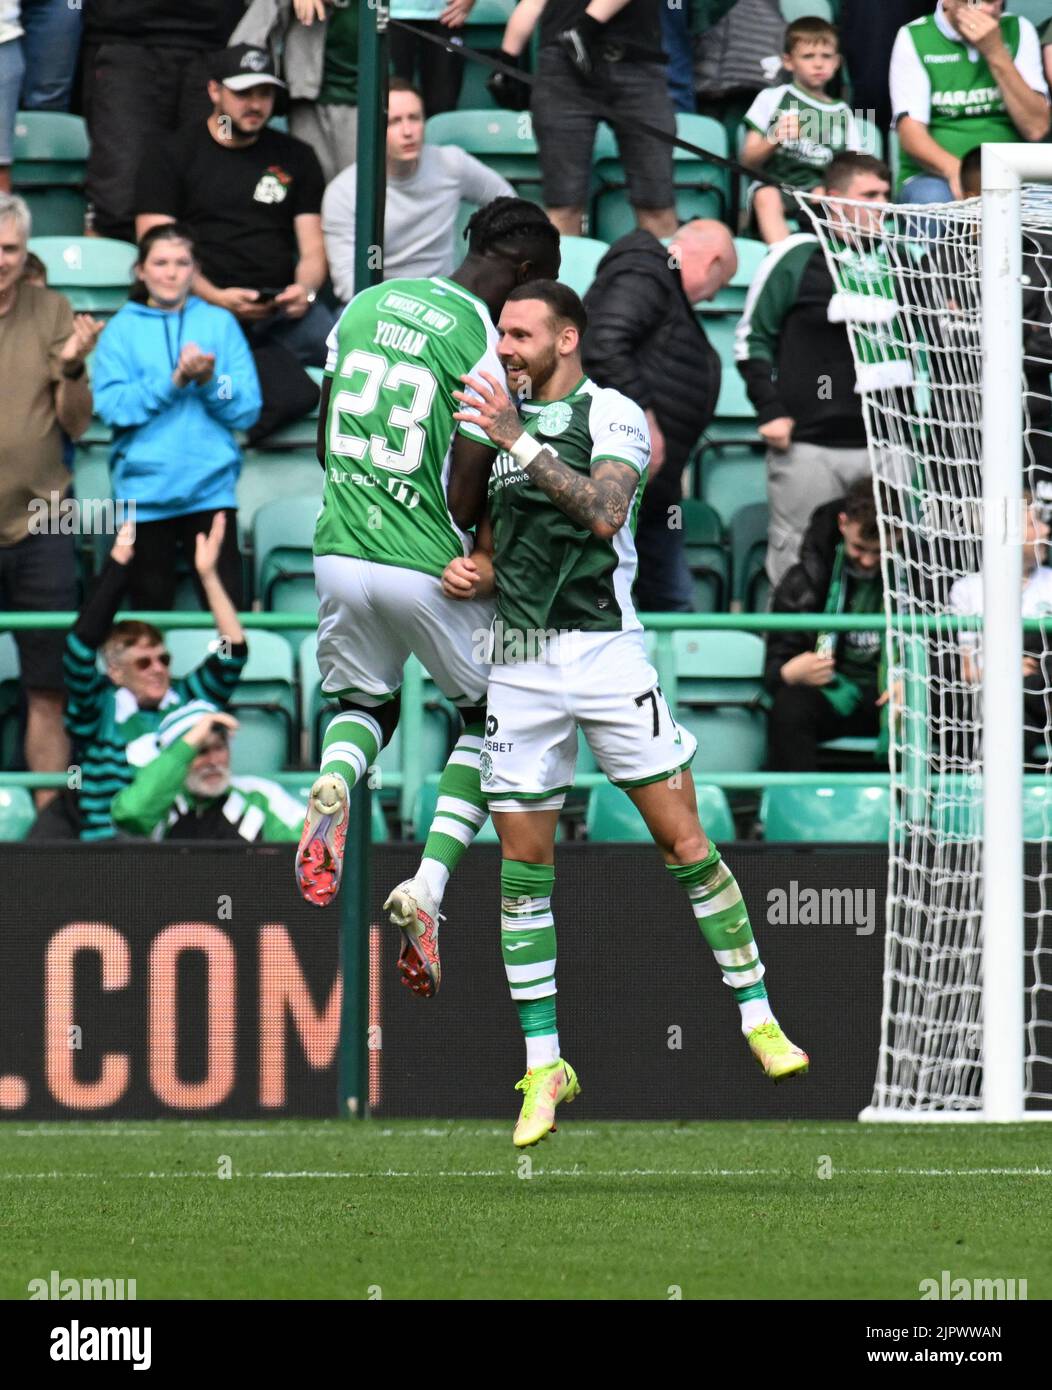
(273, 186)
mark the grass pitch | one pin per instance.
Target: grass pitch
(416, 1209)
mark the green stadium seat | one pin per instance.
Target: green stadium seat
(264, 702)
(377, 822)
(50, 154)
(702, 188)
(17, 813)
(10, 700)
(804, 9)
(283, 541)
(503, 140)
(612, 817)
(707, 556)
(872, 137)
(94, 273)
(580, 259)
(722, 331)
(833, 813)
(733, 475)
(483, 32)
(721, 698)
(734, 404)
(731, 299)
(748, 537)
(956, 808)
(266, 476)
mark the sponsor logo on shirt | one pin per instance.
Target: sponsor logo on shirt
(273, 187)
(406, 306)
(942, 57)
(633, 431)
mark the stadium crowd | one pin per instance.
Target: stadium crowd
(222, 142)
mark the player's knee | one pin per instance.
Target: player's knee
(688, 846)
(386, 715)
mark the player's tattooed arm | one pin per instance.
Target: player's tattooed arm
(599, 502)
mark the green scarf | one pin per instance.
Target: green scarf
(846, 695)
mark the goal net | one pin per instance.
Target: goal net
(967, 1010)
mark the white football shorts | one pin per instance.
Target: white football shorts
(371, 616)
(600, 682)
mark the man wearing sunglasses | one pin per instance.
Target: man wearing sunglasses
(113, 718)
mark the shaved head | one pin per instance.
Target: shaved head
(704, 252)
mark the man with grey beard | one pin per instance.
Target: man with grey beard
(188, 792)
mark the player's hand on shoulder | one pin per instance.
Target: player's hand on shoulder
(460, 578)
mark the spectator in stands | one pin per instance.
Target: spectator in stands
(425, 187)
(644, 340)
(828, 685)
(320, 64)
(581, 60)
(966, 599)
(736, 54)
(114, 718)
(797, 129)
(795, 355)
(45, 391)
(174, 377)
(187, 791)
(252, 199)
(50, 45)
(867, 36)
(438, 72)
(144, 77)
(12, 67)
(966, 75)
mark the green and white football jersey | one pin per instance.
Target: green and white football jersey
(550, 572)
(827, 128)
(396, 356)
(939, 80)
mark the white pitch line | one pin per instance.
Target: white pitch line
(575, 1172)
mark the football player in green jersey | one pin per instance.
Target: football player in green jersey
(405, 482)
(568, 653)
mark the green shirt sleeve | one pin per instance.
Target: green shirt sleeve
(146, 801)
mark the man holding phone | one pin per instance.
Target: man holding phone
(252, 197)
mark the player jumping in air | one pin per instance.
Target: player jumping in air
(568, 653)
(403, 484)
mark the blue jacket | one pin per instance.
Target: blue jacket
(174, 449)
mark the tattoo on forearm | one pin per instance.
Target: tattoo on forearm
(605, 495)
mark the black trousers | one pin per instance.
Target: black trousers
(802, 718)
(441, 74)
(152, 578)
(133, 94)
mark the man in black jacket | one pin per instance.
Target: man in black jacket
(645, 340)
(826, 685)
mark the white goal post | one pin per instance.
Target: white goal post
(933, 299)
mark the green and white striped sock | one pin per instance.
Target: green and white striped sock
(459, 815)
(351, 744)
(724, 921)
(527, 939)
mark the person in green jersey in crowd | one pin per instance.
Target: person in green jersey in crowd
(405, 482)
(567, 653)
(966, 75)
(796, 130)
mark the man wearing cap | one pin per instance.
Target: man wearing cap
(252, 197)
(187, 791)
